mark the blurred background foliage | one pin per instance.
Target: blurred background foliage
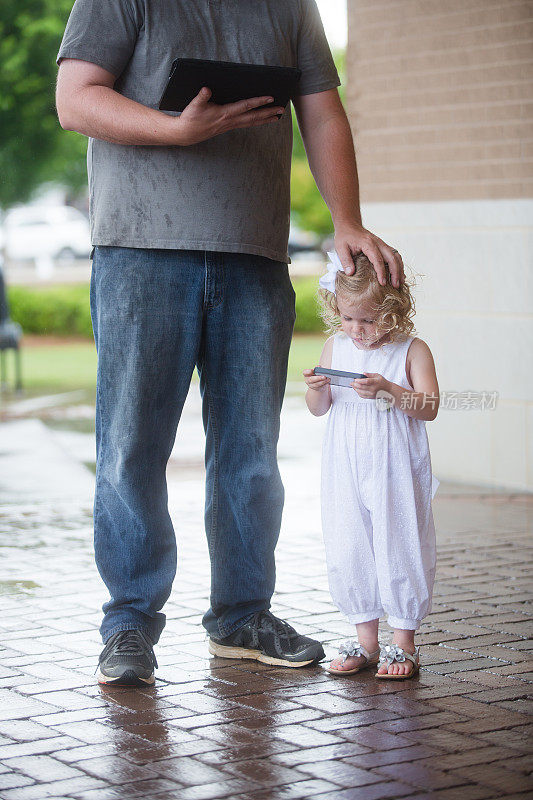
(33, 147)
(52, 310)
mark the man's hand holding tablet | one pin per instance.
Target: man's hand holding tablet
(202, 120)
(217, 96)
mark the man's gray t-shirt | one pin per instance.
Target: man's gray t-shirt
(231, 192)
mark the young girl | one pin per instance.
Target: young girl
(377, 484)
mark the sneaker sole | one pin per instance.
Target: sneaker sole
(223, 651)
(128, 678)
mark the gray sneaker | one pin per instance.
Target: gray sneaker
(127, 660)
(270, 640)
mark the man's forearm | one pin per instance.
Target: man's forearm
(331, 156)
(102, 113)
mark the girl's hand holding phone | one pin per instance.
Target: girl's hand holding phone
(316, 382)
(368, 387)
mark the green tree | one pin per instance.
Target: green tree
(33, 148)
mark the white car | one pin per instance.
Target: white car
(302, 243)
(34, 232)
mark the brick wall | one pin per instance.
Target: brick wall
(439, 96)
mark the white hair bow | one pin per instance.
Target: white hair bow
(327, 281)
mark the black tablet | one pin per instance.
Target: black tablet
(228, 82)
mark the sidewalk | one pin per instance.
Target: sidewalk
(227, 729)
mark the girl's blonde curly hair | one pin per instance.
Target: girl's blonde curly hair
(394, 309)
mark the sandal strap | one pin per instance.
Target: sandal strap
(391, 653)
(352, 649)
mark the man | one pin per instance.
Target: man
(190, 219)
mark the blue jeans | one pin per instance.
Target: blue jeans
(156, 314)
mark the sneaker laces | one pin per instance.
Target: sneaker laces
(131, 643)
(281, 628)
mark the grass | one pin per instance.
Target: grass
(55, 365)
(305, 353)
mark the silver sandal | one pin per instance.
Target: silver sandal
(392, 653)
(352, 649)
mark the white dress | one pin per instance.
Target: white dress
(377, 488)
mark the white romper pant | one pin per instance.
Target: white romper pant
(377, 488)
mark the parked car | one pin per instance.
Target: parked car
(302, 242)
(57, 232)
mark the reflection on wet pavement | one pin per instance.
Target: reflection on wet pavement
(213, 728)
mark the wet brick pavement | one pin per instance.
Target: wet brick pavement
(227, 729)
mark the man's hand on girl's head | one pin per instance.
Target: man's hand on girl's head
(352, 239)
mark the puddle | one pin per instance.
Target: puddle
(18, 587)
(22, 528)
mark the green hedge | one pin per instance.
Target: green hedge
(55, 310)
(307, 319)
(64, 310)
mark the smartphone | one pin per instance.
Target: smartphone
(337, 377)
